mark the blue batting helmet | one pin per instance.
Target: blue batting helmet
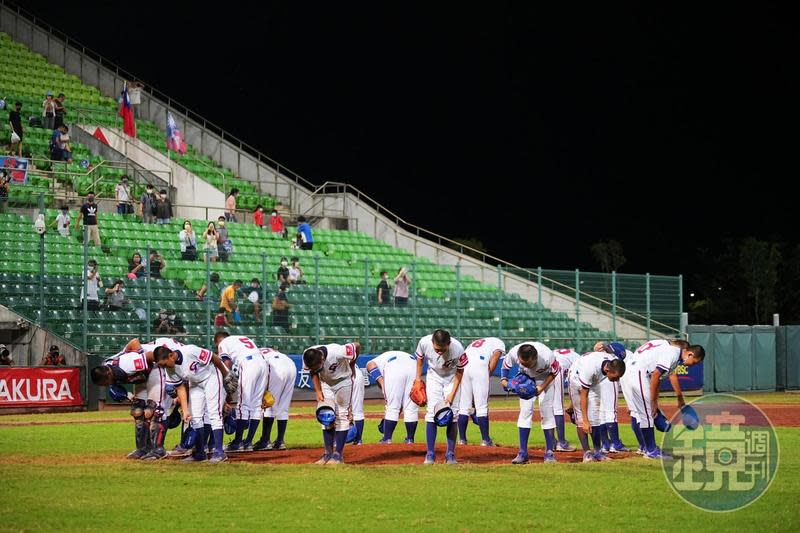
(326, 415)
(191, 438)
(229, 423)
(690, 418)
(661, 422)
(117, 393)
(443, 414)
(523, 386)
(617, 348)
(352, 433)
(174, 419)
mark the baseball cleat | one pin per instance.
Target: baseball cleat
(657, 454)
(606, 449)
(179, 451)
(233, 446)
(616, 448)
(641, 451)
(335, 459)
(489, 443)
(218, 458)
(600, 457)
(194, 458)
(520, 459)
(358, 443)
(430, 459)
(155, 454)
(261, 445)
(462, 442)
(385, 441)
(565, 447)
(247, 447)
(278, 445)
(322, 460)
(450, 459)
(408, 441)
(136, 454)
(588, 457)
(550, 457)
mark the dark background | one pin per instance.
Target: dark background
(537, 132)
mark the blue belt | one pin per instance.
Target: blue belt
(249, 357)
(482, 357)
(391, 359)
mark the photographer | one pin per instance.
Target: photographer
(168, 322)
(93, 283)
(5, 356)
(53, 357)
(115, 296)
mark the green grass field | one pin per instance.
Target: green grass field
(71, 476)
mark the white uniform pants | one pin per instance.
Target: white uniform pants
(593, 403)
(475, 389)
(437, 388)
(252, 384)
(342, 395)
(398, 378)
(281, 380)
(636, 390)
(609, 391)
(208, 396)
(545, 408)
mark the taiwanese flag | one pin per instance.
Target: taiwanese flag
(126, 112)
(175, 140)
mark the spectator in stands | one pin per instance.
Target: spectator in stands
(304, 228)
(296, 273)
(123, 192)
(297, 244)
(163, 208)
(49, 112)
(280, 308)
(258, 216)
(215, 288)
(276, 223)
(53, 357)
(210, 247)
(283, 271)
(60, 147)
(383, 289)
(115, 296)
(188, 239)
(136, 267)
(89, 215)
(401, 283)
(148, 203)
(168, 322)
(175, 322)
(135, 96)
(157, 265)
(161, 322)
(230, 206)
(220, 320)
(60, 110)
(228, 300)
(5, 356)
(62, 222)
(93, 283)
(224, 244)
(255, 295)
(15, 120)
(5, 189)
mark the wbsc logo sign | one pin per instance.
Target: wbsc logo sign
(729, 461)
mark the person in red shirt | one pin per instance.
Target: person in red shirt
(258, 216)
(276, 222)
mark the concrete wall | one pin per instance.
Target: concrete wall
(29, 343)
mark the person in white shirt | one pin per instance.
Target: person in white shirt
(124, 205)
(62, 222)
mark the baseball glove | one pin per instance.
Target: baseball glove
(418, 394)
(268, 400)
(231, 383)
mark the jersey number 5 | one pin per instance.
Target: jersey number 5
(247, 343)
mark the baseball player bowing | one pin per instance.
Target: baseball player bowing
(483, 355)
(609, 394)
(537, 362)
(331, 369)
(281, 376)
(652, 362)
(565, 357)
(203, 372)
(585, 377)
(395, 372)
(250, 371)
(446, 360)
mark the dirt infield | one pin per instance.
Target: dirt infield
(400, 454)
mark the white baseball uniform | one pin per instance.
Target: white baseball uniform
(546, 364)
(566, 357)
(158, 378)
(609, 394)
(399, 370)
(281, 376)
(337, 379)
(475, 384)
(636, 380)
(252, 370)
(587, 373)
(358, 392)
(441, 372)
(206, 393)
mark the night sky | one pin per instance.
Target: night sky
(537, 132)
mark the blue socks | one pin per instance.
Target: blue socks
(604, 436)
(560, 428)
(411, 430)
(341, 437)
(613, 434)
(549, 439)
(240, 426)
(597, 439)
(388, 429)
(463, 420)
(452, 433)
(327, 438)
(483, 423)
(360, 429)
(267, 432)
(200, 441)
(251, 431)
(281, 429)
(209, 435)
(430, 436)
(524, 434)
(218, 441)
(637, 431)
(649, 435)
(584, 439)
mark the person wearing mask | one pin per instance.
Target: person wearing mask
(296, 273)
(115, 296)
(188, 240)
(60, 110)
(210, 247)
(276, 223)
(88, 214)
(157, 265)
(53, 357)
(258, 216)
(136, 267)
(255, 295)
(49, 112)
(123, 193)
(148, 205)
(280, 308)
(93, 283)
(283, 271)
(230, 205)
(163, 208)
(304, 229)
(383, 289)
(224, 245)
(401, 283)
(62, 222)
(5, 356)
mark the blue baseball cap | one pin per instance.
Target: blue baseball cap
(617, 348)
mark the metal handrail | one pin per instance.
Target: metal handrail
(171, 104)
(345, 188)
